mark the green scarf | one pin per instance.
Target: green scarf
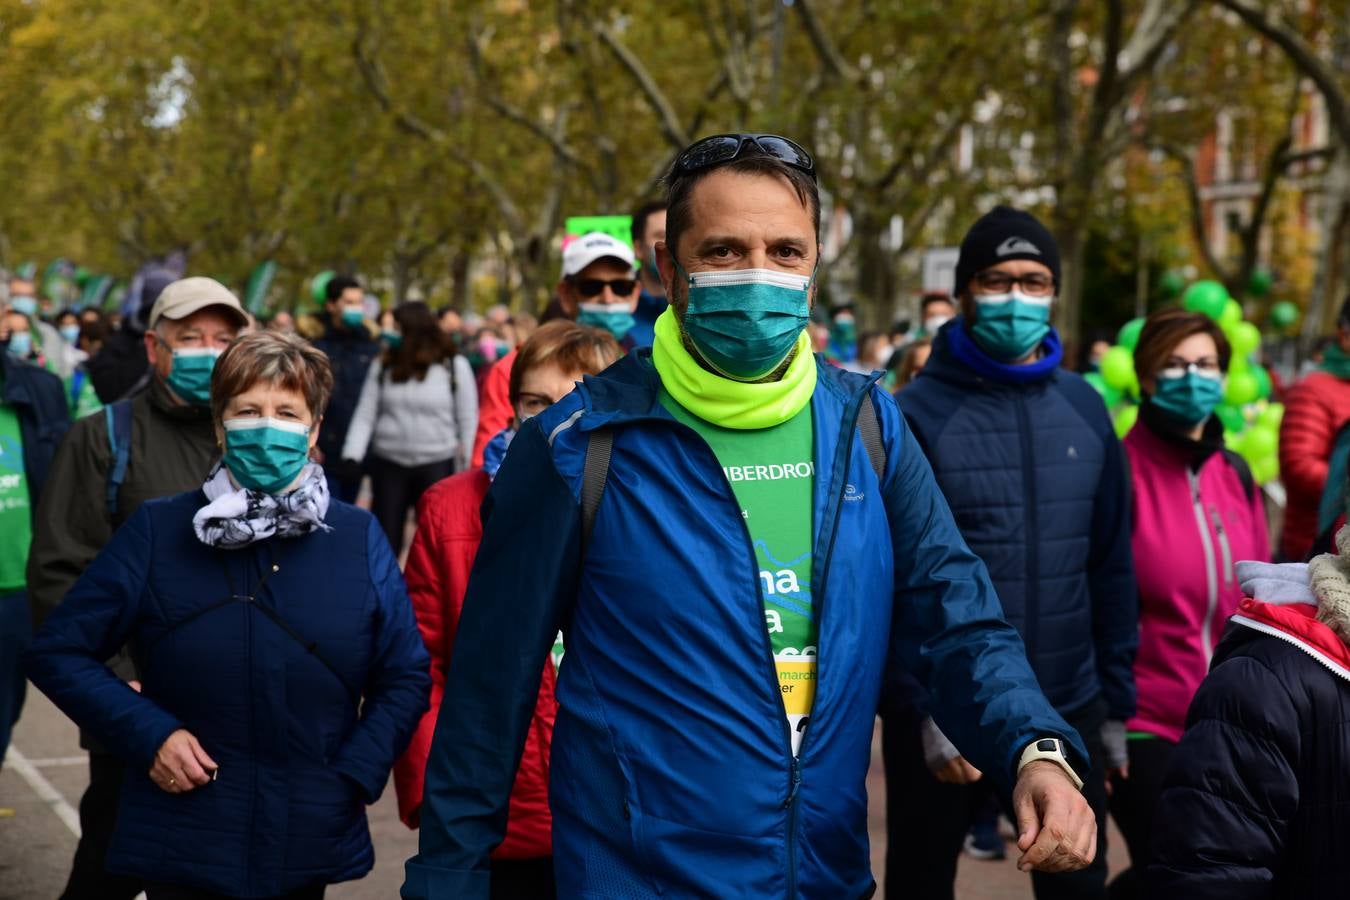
(1336, 361)
(721, 401)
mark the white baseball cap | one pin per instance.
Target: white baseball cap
(597, 245)
(186, 296)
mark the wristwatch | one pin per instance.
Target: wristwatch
(1051, 750)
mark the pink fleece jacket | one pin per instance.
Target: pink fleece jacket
(1190, 529)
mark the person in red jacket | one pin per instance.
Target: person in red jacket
(449, 530)
(1317, 408)
(1196, 511)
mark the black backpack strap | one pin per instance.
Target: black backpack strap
(118, 418)
(594, 474)
(871, 437)
(1244, 472)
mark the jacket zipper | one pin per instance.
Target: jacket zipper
(1225, 552)
(1211, 575)
(1274, 632)
(1032, 628)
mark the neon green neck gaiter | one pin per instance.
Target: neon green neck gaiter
(721, 401)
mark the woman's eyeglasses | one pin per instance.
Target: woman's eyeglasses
(723, 148)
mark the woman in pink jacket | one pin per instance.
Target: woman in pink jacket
(1196, 512)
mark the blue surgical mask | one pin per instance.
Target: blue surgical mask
(1009, 326)
(70, 333)
(352, 317)
(744, 322)
(265, 454)
(612, 317)
(391, 338)
(24, 305)
(190, 377)
(1188, 396)
(21, 344)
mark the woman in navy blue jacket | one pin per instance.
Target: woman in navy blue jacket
(281, 669)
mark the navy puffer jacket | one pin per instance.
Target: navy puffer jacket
(223, 641)
(1036, 479)
(1256, 805)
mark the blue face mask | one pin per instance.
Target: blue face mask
(744, 322)
(1009, 326)
(265, 454)
(1189, 397)
(21, 344)
(70, 333)
(190, 377)
(24, 305)
(391, 338)
(352, 317)
(612, 317)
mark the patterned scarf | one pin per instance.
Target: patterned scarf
(236, 517)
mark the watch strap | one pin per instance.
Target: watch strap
(1050, 750)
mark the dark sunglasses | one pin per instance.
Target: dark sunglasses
(723, 148)
(594, 287)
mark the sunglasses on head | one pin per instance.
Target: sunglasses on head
(594, 287)
(723, 148)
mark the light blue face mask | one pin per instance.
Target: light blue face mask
(69, 333)
(265, 454)
(190, 377)
(24, 305)
(1009, 326)
(1188, 396)
(612, 317)
(352, 317)
(20, 344)
(744, 322)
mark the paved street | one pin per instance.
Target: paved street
(45, 774)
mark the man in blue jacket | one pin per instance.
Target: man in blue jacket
(1027, 458)
(717, 697)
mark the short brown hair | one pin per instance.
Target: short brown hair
(1165, 329)
(285, 360)
(567, 345)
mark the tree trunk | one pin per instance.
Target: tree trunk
(877, 277)
(1333, 262)
(1071, 236)
(459, 279)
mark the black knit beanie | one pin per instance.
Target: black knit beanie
(1002, 234)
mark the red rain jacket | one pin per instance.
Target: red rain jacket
(494, 404)
(1317, 408)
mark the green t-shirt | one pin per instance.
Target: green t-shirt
(16, 524)
(772, 473)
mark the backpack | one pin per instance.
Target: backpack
(118, 418)
(595, 469)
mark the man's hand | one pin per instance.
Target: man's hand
(1056, 829)
(181, 764)
(957, 771)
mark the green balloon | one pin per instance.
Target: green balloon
(1171, 284)
(1260, 443)
(1266, 469)
(1129, 334)
(1272, 416)
(1263, 383)
(1242, 388)
(1118, 368)
(1284, 314)
(1260, 283)
(1232, 315)
(1125, 420)
(1231, 417)
(1208, 297)
(1245, 339)
(318, 285)
(1109, 394)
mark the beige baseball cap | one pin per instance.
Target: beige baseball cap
(186, 296)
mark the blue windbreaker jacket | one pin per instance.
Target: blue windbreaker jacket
(1028, 460)
(295, 662)
(672, 773)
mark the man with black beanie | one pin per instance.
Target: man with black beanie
(1026, 455)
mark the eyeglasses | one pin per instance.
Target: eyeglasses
(723, 148)
(594, 287)
(1205, 368)
(1035, 284)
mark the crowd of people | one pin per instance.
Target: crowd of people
(616, 594)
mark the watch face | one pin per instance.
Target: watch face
(1048, 745)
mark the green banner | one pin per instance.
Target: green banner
(259, 283)
(96, 288)
(619, 227)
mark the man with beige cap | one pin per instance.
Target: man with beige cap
(158, 443)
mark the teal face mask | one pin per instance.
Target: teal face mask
(612, 317)
(744, 322)
(24, 305)
(190, 377)
(1010, 326)
(21, 344)
(1187, 396)
(265, 454)
(391, 338)
(352, 317)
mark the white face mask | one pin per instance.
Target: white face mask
(933, 323)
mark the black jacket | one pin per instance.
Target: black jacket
(350, 351)
(40, 400)
(1257, 801)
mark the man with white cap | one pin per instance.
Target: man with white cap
(158, 443)
(599, 288)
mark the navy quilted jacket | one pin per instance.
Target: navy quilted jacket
(222, 640)
(1037, 481)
